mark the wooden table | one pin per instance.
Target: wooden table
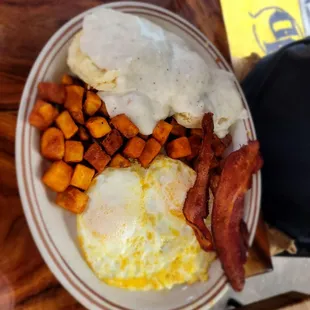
(25, 26)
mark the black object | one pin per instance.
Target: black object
(233, 304)
(278, 93)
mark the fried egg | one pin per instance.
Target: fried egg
(133, 233)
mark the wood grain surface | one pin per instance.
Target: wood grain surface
(25, 26)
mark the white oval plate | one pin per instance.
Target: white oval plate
(54, 230)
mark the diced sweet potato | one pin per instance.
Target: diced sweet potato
(73, 102)
(58, 176)
(42, 115)
(97, 157)
(134, 147)
(125, 126)
(144, 137)
(118, 161)
(150, 151)
(179, 148)
(66, 79)
(98, 126)
(92, 103)
(72, 199)
(84, 136)
(161, 131)
(103, 109)
(53, 144)
(195, 143)
(52, 92)
(112, 142)
(177, 129)
(74, 151)
(78, 116)
(65, 122)
(82, 176)
(196, 132)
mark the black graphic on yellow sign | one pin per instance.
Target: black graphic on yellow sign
(283, 29)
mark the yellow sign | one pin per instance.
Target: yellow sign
(263, 26)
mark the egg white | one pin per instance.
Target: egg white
(133, 233)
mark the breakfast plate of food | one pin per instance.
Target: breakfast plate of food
(137, 161)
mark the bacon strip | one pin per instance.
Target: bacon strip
(220, 145)
(195, 207)
(214, 182)
(229, 231)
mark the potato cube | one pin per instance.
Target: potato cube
(74, 151)
(72, 199)
(112, 142)
(52, 92)
(178, 148)
(53, 144)
(78, 116)
(195, 143)
(42, 115)
(82, 176)
(161, 131)
(84, 136)
(127, 128)
(66, 79)
(47, 111)
(65, 122)
(118, 161)
(134, 147)
(58, 176)
(103, 109)
(73, 102)
(196, 132)
(151, 149)
(177, 129)
(98, 126)
(97, 157)
(92, 103)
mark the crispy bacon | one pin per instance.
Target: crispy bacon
(196, 204)
(214, 182)
(229, 231)
(220, 145)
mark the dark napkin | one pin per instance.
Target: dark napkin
(278, 93)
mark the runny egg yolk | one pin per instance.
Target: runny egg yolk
(133, 234)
